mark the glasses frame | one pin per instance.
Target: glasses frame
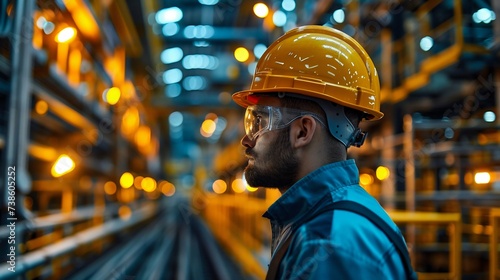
(278, 118)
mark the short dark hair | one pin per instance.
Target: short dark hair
(354, 116)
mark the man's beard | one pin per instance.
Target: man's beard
(275, 168)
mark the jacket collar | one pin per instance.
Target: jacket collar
(305, 195)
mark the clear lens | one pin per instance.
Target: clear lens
(260, 119)
(257, 120)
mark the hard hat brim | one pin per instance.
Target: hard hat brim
(243, 99)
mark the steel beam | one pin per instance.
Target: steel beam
(16, 181)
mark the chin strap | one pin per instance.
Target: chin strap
(358, 138)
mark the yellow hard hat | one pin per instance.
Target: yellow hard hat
(319, 62)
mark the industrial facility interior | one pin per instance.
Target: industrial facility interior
(120, 142)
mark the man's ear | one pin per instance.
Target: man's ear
(302, 131)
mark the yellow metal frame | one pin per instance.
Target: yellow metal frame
(423, 69)
(494, 243)
(236, 221)
(454, 221)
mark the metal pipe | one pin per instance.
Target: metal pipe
(16, 181)
(17, 136)
(53, 220)
(121, 265)
(71, 243)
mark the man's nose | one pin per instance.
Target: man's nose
(246, 142)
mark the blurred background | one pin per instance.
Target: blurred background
(119, 140)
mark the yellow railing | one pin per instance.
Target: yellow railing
(494, 243)
(454, 222)
(412, 66)
(237, 222)
(405, 67)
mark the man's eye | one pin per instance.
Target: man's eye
(258, 120)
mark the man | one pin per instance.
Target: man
(310, 90)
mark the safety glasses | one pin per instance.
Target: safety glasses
(260, 119)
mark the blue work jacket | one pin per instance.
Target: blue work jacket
(335, 244)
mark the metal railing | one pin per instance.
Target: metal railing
(236, 221)
(51, 252)
(159, 240)
(454, 223)
(175, 245)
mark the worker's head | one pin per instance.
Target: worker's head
(316, 81)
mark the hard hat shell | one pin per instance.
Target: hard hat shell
(319, 62)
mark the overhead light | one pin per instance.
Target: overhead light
(63, 165)
(41, 107)
(339, 16)
(200, 61)
(170, 29)
(126, 180)
(238, 185)
(482, 178)
(45, 25)
(176, 119)
(489, 116)
(148, 184)
(279, 18)
(194, 83)
(173, 90)
(40, 22)
(49, 28)
(168, 15)
(111, 95)
(171, 55)
(219, 186)
(241, 54)
(172, 76)
(208, 2)
(426, 43)
(167, 188)
(484, 15)
(259, 50)
(66, 35)
(261, 10)
(110, 188)
(382, 173)
(199, 31)
(365, 179)
(288, 5)
(208, 127)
